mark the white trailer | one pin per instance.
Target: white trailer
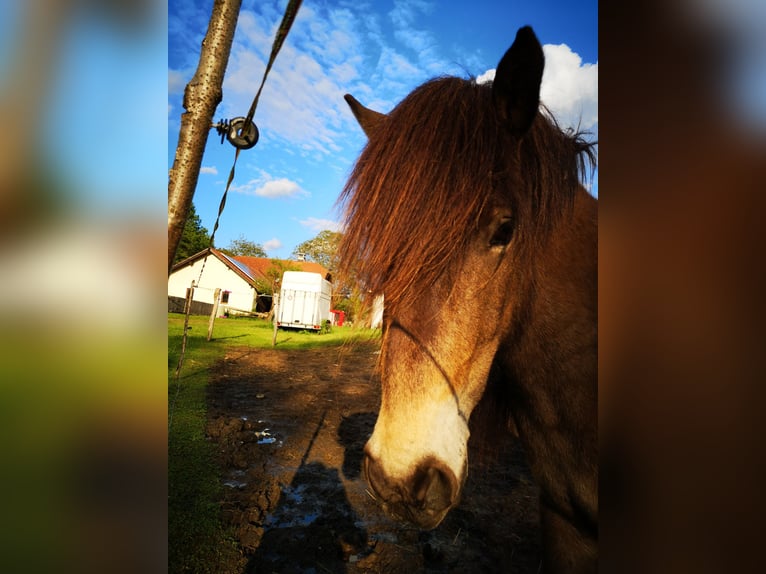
(304, 300)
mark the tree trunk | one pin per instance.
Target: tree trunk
(201, 98)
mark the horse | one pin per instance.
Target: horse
(466, 211)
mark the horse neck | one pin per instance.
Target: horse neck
(558, 342)
(550, 367)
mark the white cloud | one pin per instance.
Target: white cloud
(302, 102)
(344, 72)
(270, 187)
(405, 11)
(420, 42)
(272, 244)
(209, 169)
(281, 187)
(318, 225)
(487, 76)
(330, 51)
(569, 88)
(393, 65)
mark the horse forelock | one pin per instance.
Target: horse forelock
(420, 186)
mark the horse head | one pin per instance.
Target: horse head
(465, 211)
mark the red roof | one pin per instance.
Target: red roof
(259, 265)
(252, 268)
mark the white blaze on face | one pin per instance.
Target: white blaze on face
(414, 424)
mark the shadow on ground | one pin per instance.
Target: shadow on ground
(290, 428)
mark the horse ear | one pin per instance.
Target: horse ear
(516, 88)
(367, 118)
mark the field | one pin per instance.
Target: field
(265, 447)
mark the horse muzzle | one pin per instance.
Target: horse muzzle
(423, 497)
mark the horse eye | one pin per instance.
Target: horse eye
(503, 233)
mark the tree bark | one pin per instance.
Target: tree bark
(201, 98)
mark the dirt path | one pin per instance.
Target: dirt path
(290, 426)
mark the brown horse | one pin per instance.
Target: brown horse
(465, 210)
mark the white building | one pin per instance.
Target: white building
(376, 316)
(233, 278)
(237, 278)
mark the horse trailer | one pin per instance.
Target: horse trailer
(304, 301)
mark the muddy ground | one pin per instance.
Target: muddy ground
(290, 426)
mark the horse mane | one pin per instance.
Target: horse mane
(422, 182)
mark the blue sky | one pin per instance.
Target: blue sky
(285, 188)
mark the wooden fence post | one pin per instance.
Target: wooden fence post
(275, 306)
(217, 298)
(187, 310)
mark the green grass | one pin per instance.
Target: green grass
(197, 541)
(259, 333)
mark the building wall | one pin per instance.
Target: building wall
(216, 275)
(376, 316)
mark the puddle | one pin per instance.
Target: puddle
(273, 521)
(265, 437)
(292, 512)
(234, 480)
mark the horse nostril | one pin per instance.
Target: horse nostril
(423, 497)
(434, 487)
(373, 474)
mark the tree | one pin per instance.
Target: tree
(266, 287)
(194, 237)
(322, 249)
(201, 97)
(278, 268)
(244, 247)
